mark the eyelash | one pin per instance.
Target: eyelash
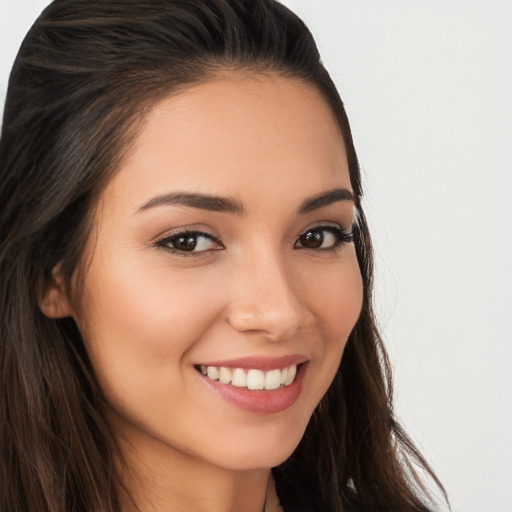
(340, 234)
(166, 241)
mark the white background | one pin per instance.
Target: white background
(427, 86)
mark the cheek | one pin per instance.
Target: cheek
(338, 300)
(335, 298)
(157, 308)
(143, 318)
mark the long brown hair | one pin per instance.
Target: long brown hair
(85, 75)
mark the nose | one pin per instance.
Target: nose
(265, 300)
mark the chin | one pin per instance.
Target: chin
(261, 450)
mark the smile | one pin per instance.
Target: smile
(252, 378)
(256, 384)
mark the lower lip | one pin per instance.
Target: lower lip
(260, 401)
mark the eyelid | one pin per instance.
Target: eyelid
(326, 224)
(183, 230)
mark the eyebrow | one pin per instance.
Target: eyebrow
(325, 199)
(231, 205)
(196, 200)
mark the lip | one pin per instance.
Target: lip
(259, 401)
(259, 362)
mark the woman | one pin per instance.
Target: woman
(187, 272)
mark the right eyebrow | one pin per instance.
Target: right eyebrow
(195, 200)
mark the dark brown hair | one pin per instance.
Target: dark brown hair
(85, 75)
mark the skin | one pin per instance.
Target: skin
(148, 315)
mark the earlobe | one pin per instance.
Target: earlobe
(54, 302)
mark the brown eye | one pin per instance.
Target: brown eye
(185, 243)
(323, 238)
(189, 242)
(312, 239)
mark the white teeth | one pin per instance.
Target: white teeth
(239, 378)
(255, 379)
(212, 372)
(291, 375)
(224, 375)
(252, 379)
(273, 379)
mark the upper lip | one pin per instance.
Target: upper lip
(259, 362)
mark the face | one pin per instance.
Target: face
(221, 262)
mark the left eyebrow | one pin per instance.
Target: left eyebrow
(325, 199)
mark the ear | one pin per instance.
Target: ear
(54, 302)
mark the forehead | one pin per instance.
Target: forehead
(235, 135)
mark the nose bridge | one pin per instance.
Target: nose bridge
(266, 300)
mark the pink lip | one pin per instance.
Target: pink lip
(259, 362)
(264, 401)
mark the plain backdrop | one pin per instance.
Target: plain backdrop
(428, 88)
